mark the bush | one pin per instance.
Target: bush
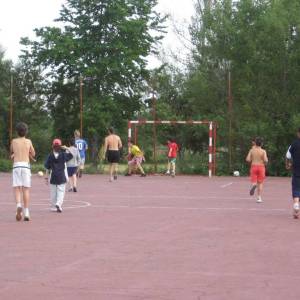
(5, 165)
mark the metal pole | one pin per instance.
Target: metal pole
(81, 106)
(11, 108)
(210, 149)
(230, 121)
(154, 131)
(215, 148)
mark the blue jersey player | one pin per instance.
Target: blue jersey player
(82, 146)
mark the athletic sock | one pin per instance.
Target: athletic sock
(26, 212)
(19, 205)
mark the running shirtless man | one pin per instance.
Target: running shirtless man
(258, 159)
(112, 146)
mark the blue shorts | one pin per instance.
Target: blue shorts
(71, 171)
(296, 186)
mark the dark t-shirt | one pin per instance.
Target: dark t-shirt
(295, 153)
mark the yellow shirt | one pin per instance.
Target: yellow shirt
(22, 149)
(136, 151)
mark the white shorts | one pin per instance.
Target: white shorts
(21, 174)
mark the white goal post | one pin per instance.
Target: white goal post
(212, 136)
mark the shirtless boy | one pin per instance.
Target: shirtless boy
(112, 146)
(21, 150)
(257, 157)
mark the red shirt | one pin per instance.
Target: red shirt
(173, 148)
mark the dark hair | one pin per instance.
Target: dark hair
(258, 141)
(111, 130)
(72, 142)
(22, 129)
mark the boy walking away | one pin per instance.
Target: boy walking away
(293, 161)
(72, 166)
(172, 155)
(21, 150)
(257, 157)
(136, 159)
(112, 147)
(56, 164)
(82, 146)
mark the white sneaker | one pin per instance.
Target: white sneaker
(259, 200)
(167, 173)
(296, 207)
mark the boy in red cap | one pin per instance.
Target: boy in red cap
(56, 164)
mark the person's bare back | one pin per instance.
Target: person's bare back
(257, 156)
(22, 150)
(113, 142)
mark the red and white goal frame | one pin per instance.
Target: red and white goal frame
(212, 136)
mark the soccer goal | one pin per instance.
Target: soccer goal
(212, 137)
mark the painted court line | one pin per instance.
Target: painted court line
(226, 185)
(193, 208)
(82, 204)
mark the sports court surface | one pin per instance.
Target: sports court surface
(187, 238)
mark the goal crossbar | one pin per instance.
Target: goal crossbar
(212, 136)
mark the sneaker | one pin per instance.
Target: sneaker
(19, 213)
(252, 190)
(296, 207)
(259, 200)
(173, 174)
(53, 209)
(127, 174)
(58, 208)
(74, 189)
(26, 218)
(167, 173)
(70, 190)
(143, 175)
(115, 177)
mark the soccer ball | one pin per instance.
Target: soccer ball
(236, 173)
(40, 173)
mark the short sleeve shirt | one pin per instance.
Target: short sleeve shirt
(173, 148)
(293, 153)
(81, 145)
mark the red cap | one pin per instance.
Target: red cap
(56, 142)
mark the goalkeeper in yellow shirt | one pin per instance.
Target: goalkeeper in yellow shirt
(135, 159)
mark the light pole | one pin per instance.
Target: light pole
(154, 98)
(11, 107)
(230, 116)
(81, 105)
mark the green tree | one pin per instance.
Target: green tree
(106, 43)
(258, 41)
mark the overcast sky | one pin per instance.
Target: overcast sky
(18, 18)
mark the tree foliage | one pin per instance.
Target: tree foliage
(106, 43)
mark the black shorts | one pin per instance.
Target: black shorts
(113, 156)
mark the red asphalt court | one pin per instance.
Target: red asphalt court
(187, 238)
